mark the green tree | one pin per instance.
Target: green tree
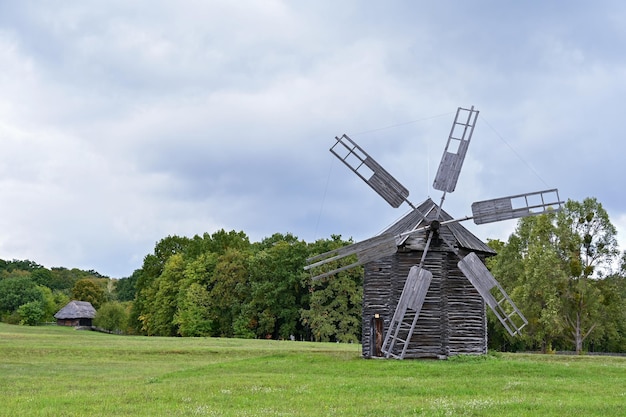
(88, 290)
(112, 316)
(41, 276)
(125, 288)
(17, 290)
(335, 303)
(335, 307)
(587, 243)
(229, 291)
(31, 313)
(555, 264)
(278, 284)
(193, 317)
(530, 267)
(63, 279)
(146, 286)
(158, 318)
(52, 301)
(613, 296)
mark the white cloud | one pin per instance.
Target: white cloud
(122, 122)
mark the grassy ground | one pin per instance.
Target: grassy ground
(54, 371)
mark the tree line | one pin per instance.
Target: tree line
(563, 270)
(31, 294)
(224, 285)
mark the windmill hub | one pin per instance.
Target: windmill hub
(434, 226)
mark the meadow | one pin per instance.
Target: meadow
(56, 371)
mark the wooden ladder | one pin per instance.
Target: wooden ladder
(407, 312)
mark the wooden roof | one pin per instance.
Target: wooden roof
(464, 238)
(76, 310)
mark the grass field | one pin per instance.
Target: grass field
(55, 371)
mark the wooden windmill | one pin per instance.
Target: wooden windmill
(425, 284)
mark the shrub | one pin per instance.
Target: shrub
(31, 313)
(111, 316)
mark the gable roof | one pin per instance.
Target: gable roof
(76, 310)
(464, 238)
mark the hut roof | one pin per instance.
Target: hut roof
(413, 219)
(76, 310)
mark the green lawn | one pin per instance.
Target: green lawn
(54, 371)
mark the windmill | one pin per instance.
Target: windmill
(438, 237)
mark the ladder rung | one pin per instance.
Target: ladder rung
(512, 314)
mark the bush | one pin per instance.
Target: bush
(111, 316)
(31, 313)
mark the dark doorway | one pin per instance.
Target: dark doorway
(377, 336)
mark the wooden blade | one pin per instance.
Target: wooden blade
(369, 171)
(412, 297)
(505, 309)
(456, 148)
(366, 251)
(516, 206)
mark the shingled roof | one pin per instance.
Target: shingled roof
(428, 208)
(76, 310)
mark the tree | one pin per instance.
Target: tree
(31, 313)
(16, 291)
(229, 291)
(193, 317)
(612, 338)
(278, 287)
(52, 301)
(554, 263)
(125, 288)
(530, 267)
(158, 315)
(111, 316)
(63, 278)
(335, 303)
(588, 245)
(88, 290)
(151, 270)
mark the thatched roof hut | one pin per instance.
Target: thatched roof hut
(76, 313)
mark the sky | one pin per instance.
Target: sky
(123, 122)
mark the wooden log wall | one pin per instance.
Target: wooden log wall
(453, 318)
(376, 300)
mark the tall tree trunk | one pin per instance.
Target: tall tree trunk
(578, 338)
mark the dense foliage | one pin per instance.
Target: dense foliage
(223, 285)
(563, 270)
(560, 269)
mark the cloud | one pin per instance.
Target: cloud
(122, 123)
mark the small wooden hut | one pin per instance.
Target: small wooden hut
(453, 318)
(76, 313)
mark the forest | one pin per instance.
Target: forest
(564, 271)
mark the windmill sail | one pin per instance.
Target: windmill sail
(366, 251)
(515, 206)
(407, 311)
(456, 148)
(370, 171)
(505, 309)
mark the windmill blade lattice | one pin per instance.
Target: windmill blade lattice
(516, 206)
(512, 319)
(456, 148)
(370, 171)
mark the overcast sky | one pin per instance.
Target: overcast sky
(122, 122)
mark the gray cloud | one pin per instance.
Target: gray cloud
(126, 122)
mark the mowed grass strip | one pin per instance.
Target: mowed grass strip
(55, 371)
